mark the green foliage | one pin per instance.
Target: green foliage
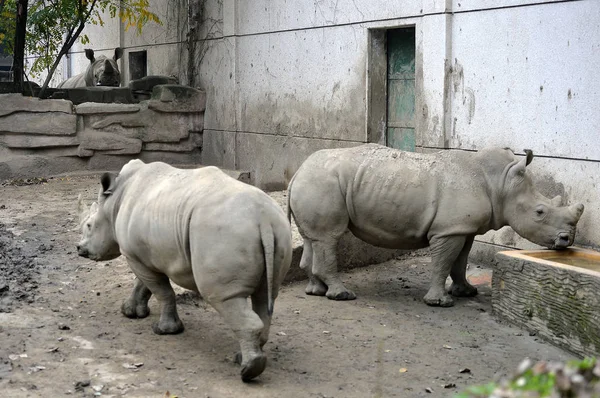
(585, 364)
(542, 380)
(53, 25)
(543, 383)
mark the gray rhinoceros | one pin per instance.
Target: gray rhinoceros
(101, 71)
(203, 230)
(402, 200)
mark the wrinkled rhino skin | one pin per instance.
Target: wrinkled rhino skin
(403, 200)
(203, 230)
(101, 71)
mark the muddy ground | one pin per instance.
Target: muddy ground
(61, 331)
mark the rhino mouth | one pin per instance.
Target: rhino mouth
(562, 241)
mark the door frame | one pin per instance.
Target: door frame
(376, 123)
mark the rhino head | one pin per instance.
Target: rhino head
(533, 216)
(98, 241)
(103, 71)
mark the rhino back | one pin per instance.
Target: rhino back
(74, 81)
(395, 195)
(157, 204)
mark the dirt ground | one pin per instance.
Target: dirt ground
(62, 333)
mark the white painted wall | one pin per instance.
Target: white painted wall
(293, 72)
(286, 78)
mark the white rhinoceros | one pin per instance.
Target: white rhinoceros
(402, 200)
(101, 71)
(205, 231)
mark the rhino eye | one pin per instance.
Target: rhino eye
(89, 226)
(540, 211)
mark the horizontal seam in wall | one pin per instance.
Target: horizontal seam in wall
(390, 19)
(285, 136)
(495, 244)
(336, 25)
(535, 155)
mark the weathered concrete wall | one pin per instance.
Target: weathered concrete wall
(45, 137)
(533, 89)
(284, 79)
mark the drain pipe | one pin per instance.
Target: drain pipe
(122, 63)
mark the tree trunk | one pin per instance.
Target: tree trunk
(19, 53)
(64, 50)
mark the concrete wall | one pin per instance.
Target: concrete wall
(284, 79)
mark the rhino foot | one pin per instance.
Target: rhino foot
(341, 295)
(254, 367)
(134, 311)
(315, 287)
(435, 300)
(467, 290)
(172, 327)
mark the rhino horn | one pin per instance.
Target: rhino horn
(82, 209)
(108, 68)
(577, 210)
(94, 208)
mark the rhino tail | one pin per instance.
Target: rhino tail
(268, 241)
(289, 208)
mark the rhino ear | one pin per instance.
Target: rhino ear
(118, 53)
(82, 210)
(108, 183)
(556, 201)
(89, 54)
(529, 156)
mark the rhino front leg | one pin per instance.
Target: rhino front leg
(325, 269)
(159, 285)
(248, 328)
(460, 285)
(136, 306)
(315, 286)
(444, 252)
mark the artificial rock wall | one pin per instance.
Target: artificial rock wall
(45, 137)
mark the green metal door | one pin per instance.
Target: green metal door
(401, 89)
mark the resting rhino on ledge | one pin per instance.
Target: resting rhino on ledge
(205, 231)
(403, 200)
(101, 71)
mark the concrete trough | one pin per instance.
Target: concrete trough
(555, 294)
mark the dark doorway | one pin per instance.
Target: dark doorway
(138, 65)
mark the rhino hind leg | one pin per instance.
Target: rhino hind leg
(444, 253)
(325, 269)
(260, 305)
(136, 306)
(460, 285)
(248, 328)
(159, 285)
(315, 286)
